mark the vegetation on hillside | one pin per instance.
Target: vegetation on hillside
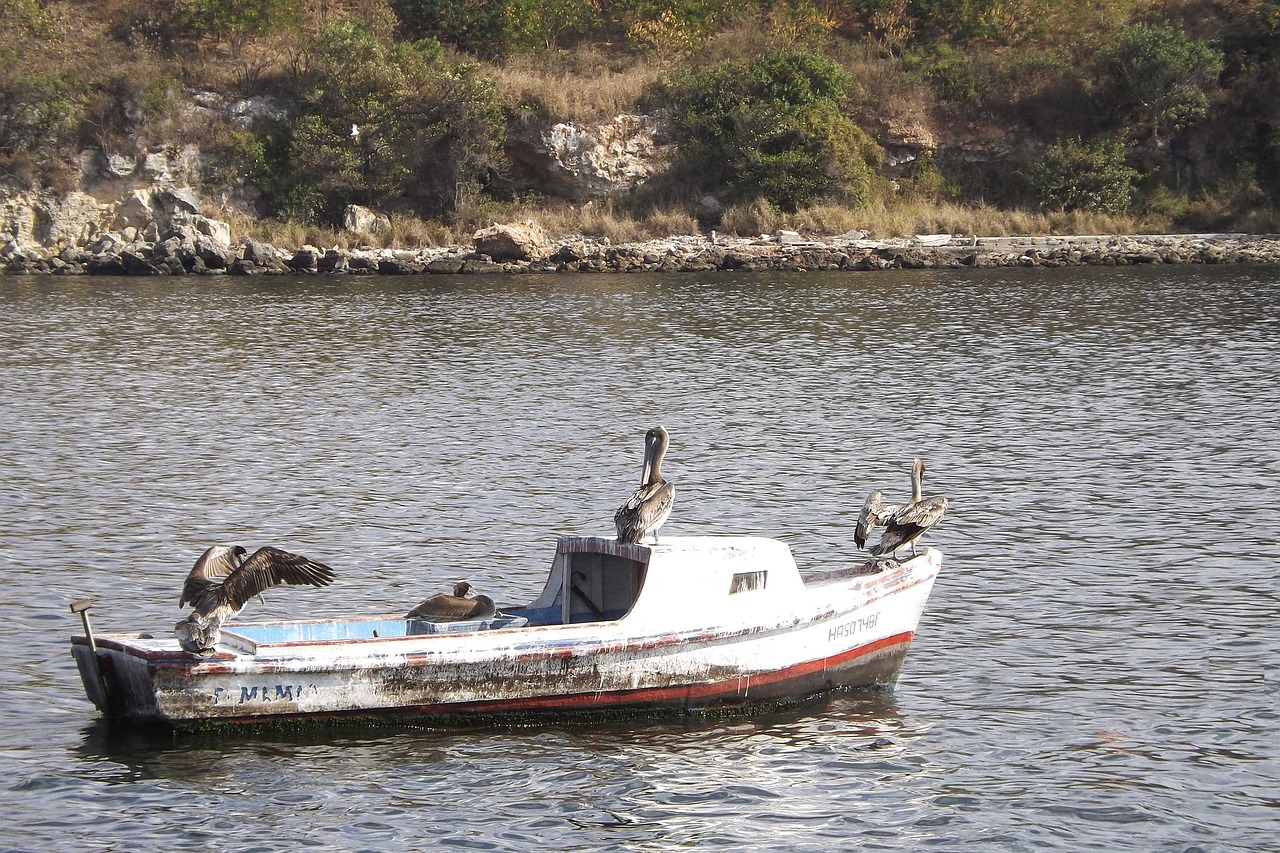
(1155, 114)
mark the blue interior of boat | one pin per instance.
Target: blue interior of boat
(363, 629)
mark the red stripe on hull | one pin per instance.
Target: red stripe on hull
(873, 665)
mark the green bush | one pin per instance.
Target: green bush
(500, 27)
(954, 74)
(1092, 176)
(671, 26)
(1251, 38)
(397, 125)
(772, 128)
(239, 20)
(38, 112)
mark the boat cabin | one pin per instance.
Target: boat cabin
(594, 579)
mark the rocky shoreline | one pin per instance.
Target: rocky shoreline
(194, 245)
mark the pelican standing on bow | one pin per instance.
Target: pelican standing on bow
(649, 505)
(213, 601)
(875, 513)
(454, 608)
(911, 521)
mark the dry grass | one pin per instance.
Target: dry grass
(888, 220)
(291, 235)
(904, 218)
(585, 86)
(883, 89)
(601, 219)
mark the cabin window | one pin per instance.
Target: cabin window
(747, 581)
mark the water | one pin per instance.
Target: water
(1098, 668)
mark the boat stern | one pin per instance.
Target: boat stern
(116, 681)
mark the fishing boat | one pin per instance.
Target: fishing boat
(689, 625)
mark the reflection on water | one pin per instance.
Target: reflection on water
(652, 781)
(1095, 665)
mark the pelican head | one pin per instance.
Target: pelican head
(656, 441)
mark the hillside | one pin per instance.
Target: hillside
(892, 116)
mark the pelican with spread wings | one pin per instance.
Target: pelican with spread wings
(905, 524)
(223, 580)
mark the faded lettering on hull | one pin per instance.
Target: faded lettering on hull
(246, 694)
(852, 627)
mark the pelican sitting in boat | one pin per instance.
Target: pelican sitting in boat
(213, 601)
(649, 505)
(912, 520)
(454, 608)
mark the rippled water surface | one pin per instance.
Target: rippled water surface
(1098, 667)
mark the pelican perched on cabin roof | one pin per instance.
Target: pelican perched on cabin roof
(909, 522)
(648, 507)
(454, 608)
(213, 601)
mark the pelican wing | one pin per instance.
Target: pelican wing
(453, 608)
(269, 567)
(923, 513)
(909, 523)
(216, 562)
(895, 537)
(646, 509)
(874, 514)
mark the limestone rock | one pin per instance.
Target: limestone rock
(136, 210)
(71, 219)
(258, 253)
(306, 259)
(586, 162)
(215, 231)
(709, 211)
(363, 220)
(904, 139)
(248, 112)
(116, 165)
(519, 242)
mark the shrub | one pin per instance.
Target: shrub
(38, 113)
(397, 125)
(239, 20)
(497, 28)
(954, 73)
(770, 128)
(1075, 175)
(1251, 38)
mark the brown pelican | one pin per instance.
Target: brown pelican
(874, 514)
(454, 608)
(649, 505)
(213, 601)
(912, 520)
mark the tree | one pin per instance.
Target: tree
(1077, 175)
(1164, 74)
